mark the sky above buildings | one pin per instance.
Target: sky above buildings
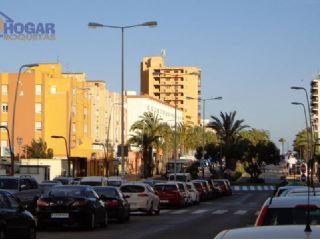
(250, 51)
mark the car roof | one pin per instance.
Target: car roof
(292, 201)
(93, 178)
(104, 187)
(166, 183)
(290, 187)
(270, 232)
(73, 186)
(135, 184)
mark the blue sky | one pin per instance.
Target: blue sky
(250, 51)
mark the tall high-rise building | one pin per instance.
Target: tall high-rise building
(315, 103)
(47, 99)
(174, 85)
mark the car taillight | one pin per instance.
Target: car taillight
(306, 207)
(261, 216)
(79, 203)
(42, 203)
(112, 203)
(143, 195)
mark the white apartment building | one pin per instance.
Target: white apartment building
(137, 105)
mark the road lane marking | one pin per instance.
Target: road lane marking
(259, 188)
(165, 211)
(200, 211)
(236, 188)
(266, 187)
(240, 212)
(252, 188)
(220, 212)
(244, 188)
(179, 211)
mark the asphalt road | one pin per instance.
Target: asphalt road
(201, 221)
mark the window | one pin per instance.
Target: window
(38, 107)
(12, 201)
(4, 150)
(38, 127)
(4, 90)
(53, 89)
(38, 90)
(4, 107)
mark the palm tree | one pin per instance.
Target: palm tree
(147, 134)
(228, 129)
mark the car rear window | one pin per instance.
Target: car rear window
(165, 187)
(289, 216)
(7, 183)
(107, 192)
(89, 183)
(67, 192)
(132, 189)
(114, 183)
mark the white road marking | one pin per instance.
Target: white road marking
(240, 212)
(236, 188)
(272, 188)
(244, 188)
(259, 188)
(179, 211)
(165, 211)
(219, 212)
(252, 188)
(200, 211)
(266, 187)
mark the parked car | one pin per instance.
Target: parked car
(46, 186)
(283, 189)
(25, 188)
(115, 181)
(151, 182)
(15, 220)
(170, 194)
(64, 180)
(180, 177)
(141, 197)
(224, 185)
(71, 205)
(94, 181)
(209, 192)
(270, 232)
(201, 189)
(117, 205)
(288, 211)
(186, 194)
(215, 188)
(301, 191)
(195, 196)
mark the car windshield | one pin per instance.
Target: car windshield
(7, 183)
(168, 187)
(132, 189)
(289, 216)
(107, 192)
(114, 183)
(89, 183)
(67, 192)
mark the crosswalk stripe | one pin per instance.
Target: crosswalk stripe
(272, 188)
(244, 188)
(179, 211)
(240, 212)
(236, 188)
(200, 211)
(252, 188)
(219, 212)
(266, 187)
(259, 188)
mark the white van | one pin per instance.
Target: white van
(180, 177)
(94, 181)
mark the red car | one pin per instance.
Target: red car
(201, 189)
(169, 194)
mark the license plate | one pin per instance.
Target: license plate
(164, 201)
(59, 215)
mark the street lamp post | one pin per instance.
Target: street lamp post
(203, 123)
(122, 28)
(67, 151)
(308, 228)
(10, 149)
(15, 102)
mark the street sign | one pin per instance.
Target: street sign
(303, 178)
(303, 168)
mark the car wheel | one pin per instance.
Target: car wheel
(157, 211)
(150, 211)
(32, 232)
(91, 222)
(104, 223)
(2, 233)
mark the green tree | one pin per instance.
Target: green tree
(300, 144)
(228, 129)
(147, 134)
(38, 149)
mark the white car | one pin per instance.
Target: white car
(270, 232)
(195, 195)
(115, 181)
(302, 191)
(180, 177)
(141, 197)
(94, 181)
(186, 194)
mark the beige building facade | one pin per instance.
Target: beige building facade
(179, 85)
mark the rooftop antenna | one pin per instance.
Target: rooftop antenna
(164, 54)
